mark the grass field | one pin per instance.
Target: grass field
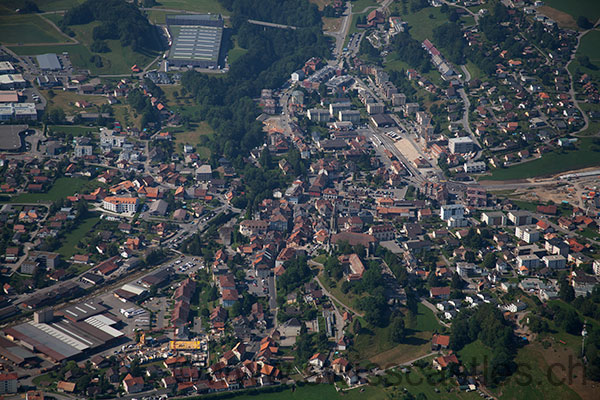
(62, 188)
(589, 46)
(534, 380)
(586, 154)
(474, 354)
(420, 24)
(72, 129)
(43, 5)
(203, 6)
(66, 100)
(588, 8)
(374, 343)
(347, 299)
(192, 136)
(69, 242)
(158, 16)
(396, 65)
(27, 29)
(318, 391)
(235, 52)
(416, 382)
(118, 61)
(475, 72)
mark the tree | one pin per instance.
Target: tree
(457, 282)
(397, 331)
(566, 293)
(538, 324)
(266, 161)
(489, 260)
(584, 23)
(29, 7)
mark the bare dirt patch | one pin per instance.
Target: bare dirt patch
(331, 24)
(563, 19)
(587, 389)
(321, 3)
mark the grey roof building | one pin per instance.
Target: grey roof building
(49, 62)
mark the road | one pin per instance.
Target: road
(328, 294)
(572, 92)
(435, 311)
(272, 25)
(342, 33)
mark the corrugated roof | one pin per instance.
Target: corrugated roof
(48, 61)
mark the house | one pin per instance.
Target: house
(356, 267)
(253, 227)
(340, 365)
(133, 385)
(65, 387)
(318, 360)
(440, 292)
(440, 342)
(442, 362)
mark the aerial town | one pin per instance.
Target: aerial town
(374, 199)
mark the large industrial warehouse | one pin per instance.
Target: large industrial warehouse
(69, 333)
(196, 40)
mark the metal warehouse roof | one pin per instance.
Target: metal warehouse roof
(48, 61)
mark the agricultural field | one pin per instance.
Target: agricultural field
(588, 8)
(27, 29)
(157, 16)
(7, 6)
(62, 188)
(118, 61)
(586, 154)
(317, 391)
(533, 380)
(200, 6)
(590, 47)
(67, 100)
(373, 343)
(69, 242)
(393, 64)
(422, 23)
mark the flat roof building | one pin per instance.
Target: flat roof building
(9, 96)
(12, 81)
(49, 62)
(196, 40)
(6, 67)
(461, 145)
(18, 111)
(60, 339)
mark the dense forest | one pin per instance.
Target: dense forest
(299, 13)
(487, 324)
(120, 20)
(410, 51)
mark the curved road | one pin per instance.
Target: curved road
(572, 92)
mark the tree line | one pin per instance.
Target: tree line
(119, 19)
